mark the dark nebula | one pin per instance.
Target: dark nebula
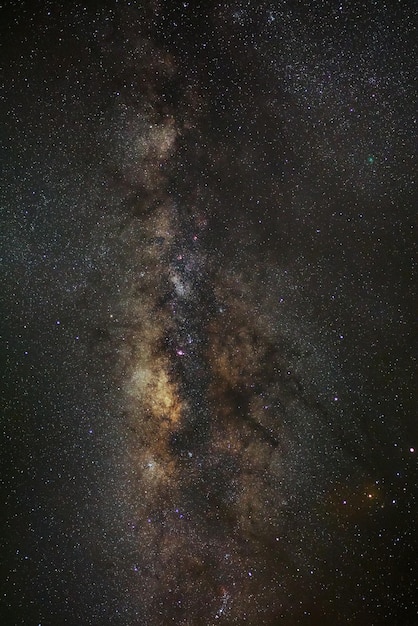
(208, 363)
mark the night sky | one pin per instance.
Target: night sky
(208, 302)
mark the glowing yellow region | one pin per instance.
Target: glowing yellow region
(158, 394)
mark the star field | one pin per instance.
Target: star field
(209, 255)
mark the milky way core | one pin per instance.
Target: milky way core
(212, 405)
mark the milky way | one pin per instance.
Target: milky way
(208, 312)
(209, 396)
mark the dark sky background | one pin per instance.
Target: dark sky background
(208, 313)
